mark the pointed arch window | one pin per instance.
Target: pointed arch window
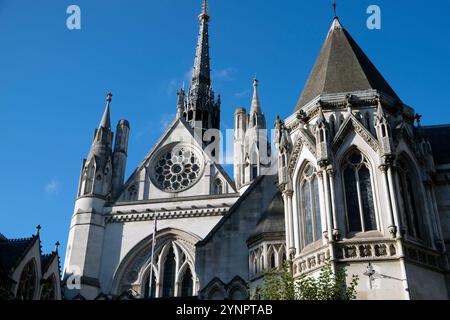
(272, 261)
(187, 284)
(169, 275)
(332, 126)
(358, 191)
(218, 187)
(310, 206)
(27, 282)
(48, 291)
(408, 193)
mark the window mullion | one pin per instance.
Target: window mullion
(361, 209)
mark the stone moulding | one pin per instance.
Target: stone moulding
(367, 250)
(423, 256)
(311, 261)
(164, 215)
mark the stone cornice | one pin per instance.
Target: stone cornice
(134, 216)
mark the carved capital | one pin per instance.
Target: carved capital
(393, 231)
(331, 173)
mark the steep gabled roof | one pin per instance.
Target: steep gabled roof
(12, 251)
(342, 67)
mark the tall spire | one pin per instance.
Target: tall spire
(256, 106)
(106, 119)
(202, 69)
(201, 109)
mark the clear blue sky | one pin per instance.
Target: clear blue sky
(53, 81)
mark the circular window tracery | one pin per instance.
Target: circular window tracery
(177, 168)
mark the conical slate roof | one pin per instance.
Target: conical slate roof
(342, 67)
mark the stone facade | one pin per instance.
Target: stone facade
(354, 179)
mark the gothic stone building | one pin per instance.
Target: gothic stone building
(26, 273)
(352, 179)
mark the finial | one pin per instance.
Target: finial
(418, 118)
(38, 229)
(255, 82)
(57, 246)
(205, 7)
(334, 9)
(109, 97)
(204, 15)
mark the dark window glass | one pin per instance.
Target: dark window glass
(187, 285)
(367, 199)
(169, 275)
(351, 197)
(27, 282)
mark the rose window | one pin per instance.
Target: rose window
(177, 170)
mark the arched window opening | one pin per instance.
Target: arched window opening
(310, 206)
(48, 290)
(272, 261)
(261, 263)
(383, 130)
(255, 265)
(254, 171)
(332, 126)
(218, 187)
(187, 284)
(359, 194)
(27, 282)
(408, 193)
(132, 193)
(169, 275)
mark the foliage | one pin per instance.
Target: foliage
(329, 285)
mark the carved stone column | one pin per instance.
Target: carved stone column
(331, 176)
(328, 206)
(291, 225)
(388, 185)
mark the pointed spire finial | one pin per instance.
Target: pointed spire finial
(204, 15)
(106, 118)
(38, 229)
(256, 106)
(335, 9)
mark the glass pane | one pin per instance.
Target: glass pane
(272, 261)
(367, 199)
(355, 158)
(317, 218)
(169, 275)
(307, 213)
(351, 197)
(412, 208)
(187, 285)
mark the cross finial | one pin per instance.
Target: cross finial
(57, 246)
(109, 97)
(38, 229)
(418, 118)
(334, 9)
